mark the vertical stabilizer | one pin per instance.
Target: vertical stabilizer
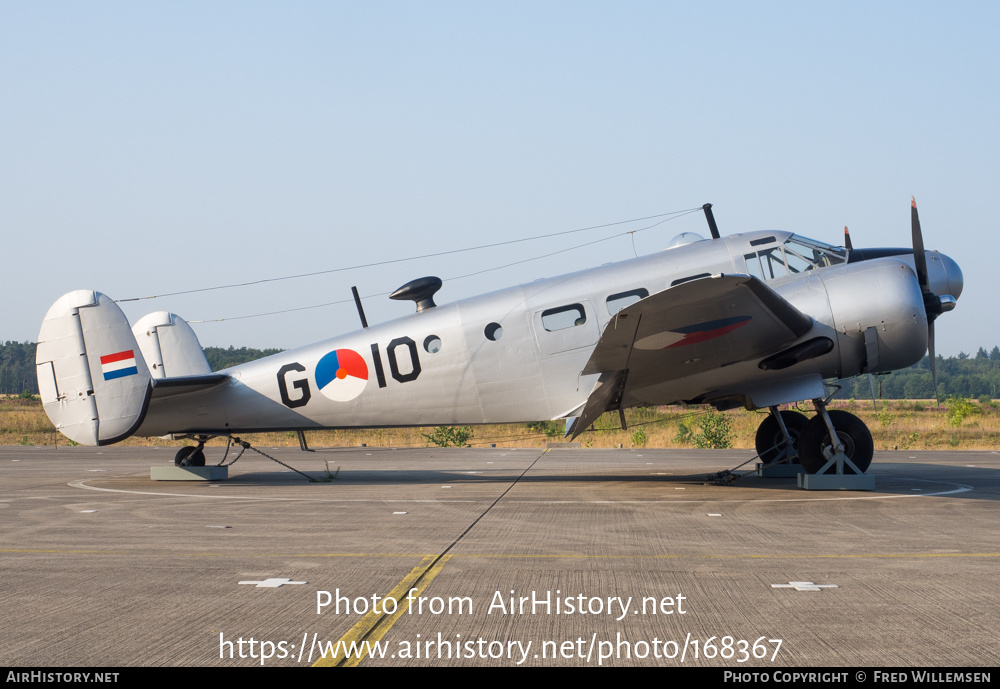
(93, 380)
(170, 346)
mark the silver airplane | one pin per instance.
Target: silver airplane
(756, 320)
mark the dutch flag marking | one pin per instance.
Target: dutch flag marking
(119, 365)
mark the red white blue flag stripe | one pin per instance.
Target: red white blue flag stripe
(119, 365)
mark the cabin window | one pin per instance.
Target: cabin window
(432, 345)
(493, 332)
(617, 302)
(563, 317)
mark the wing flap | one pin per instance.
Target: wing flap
(605, 395)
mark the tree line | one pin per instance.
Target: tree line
(17, 364)
(964, 375)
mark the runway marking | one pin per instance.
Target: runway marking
(804, 586)
(82, 483)
(273, 583)
(373, 626)
(960, 488)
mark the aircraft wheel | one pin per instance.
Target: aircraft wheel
(853, 433)
(189, 456)
(769, 439)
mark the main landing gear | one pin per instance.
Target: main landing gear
(790, 436)
(778, 435)
(819, 454)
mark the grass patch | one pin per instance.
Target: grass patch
(898, 424)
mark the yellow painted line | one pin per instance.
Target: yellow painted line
(147, 553)
(63, 551)
(719, 557)
(373, 626)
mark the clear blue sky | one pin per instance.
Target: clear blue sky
(154, 147)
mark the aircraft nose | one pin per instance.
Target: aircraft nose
(944, 275)
(955, 278)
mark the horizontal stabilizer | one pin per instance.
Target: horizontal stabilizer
(94, 383)
(168, 387)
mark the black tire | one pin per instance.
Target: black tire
(189, 456)
(854, 434)
(769, 436)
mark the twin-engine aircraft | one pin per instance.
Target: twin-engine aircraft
(756, 320)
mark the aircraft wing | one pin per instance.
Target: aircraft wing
(692, 328)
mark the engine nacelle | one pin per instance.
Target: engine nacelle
(877, 332)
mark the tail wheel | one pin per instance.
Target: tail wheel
(854, 436)
(769, 441)
(189, 456)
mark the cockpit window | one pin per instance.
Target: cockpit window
(767, 264)
(804, 254)
(796, 255)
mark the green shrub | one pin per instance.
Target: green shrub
(959, 408)
(447, 436)
(685, 431)
(551, 429)
(884, 416)
(716, 431)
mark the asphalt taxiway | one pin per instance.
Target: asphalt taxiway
(572, 557)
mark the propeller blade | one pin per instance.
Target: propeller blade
(847, 239)
(919, 258)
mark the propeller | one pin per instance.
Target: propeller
(847, 239)
(934, 305)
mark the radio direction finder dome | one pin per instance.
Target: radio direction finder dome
(685, 238)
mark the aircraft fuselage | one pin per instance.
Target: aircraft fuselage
(517, 354)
